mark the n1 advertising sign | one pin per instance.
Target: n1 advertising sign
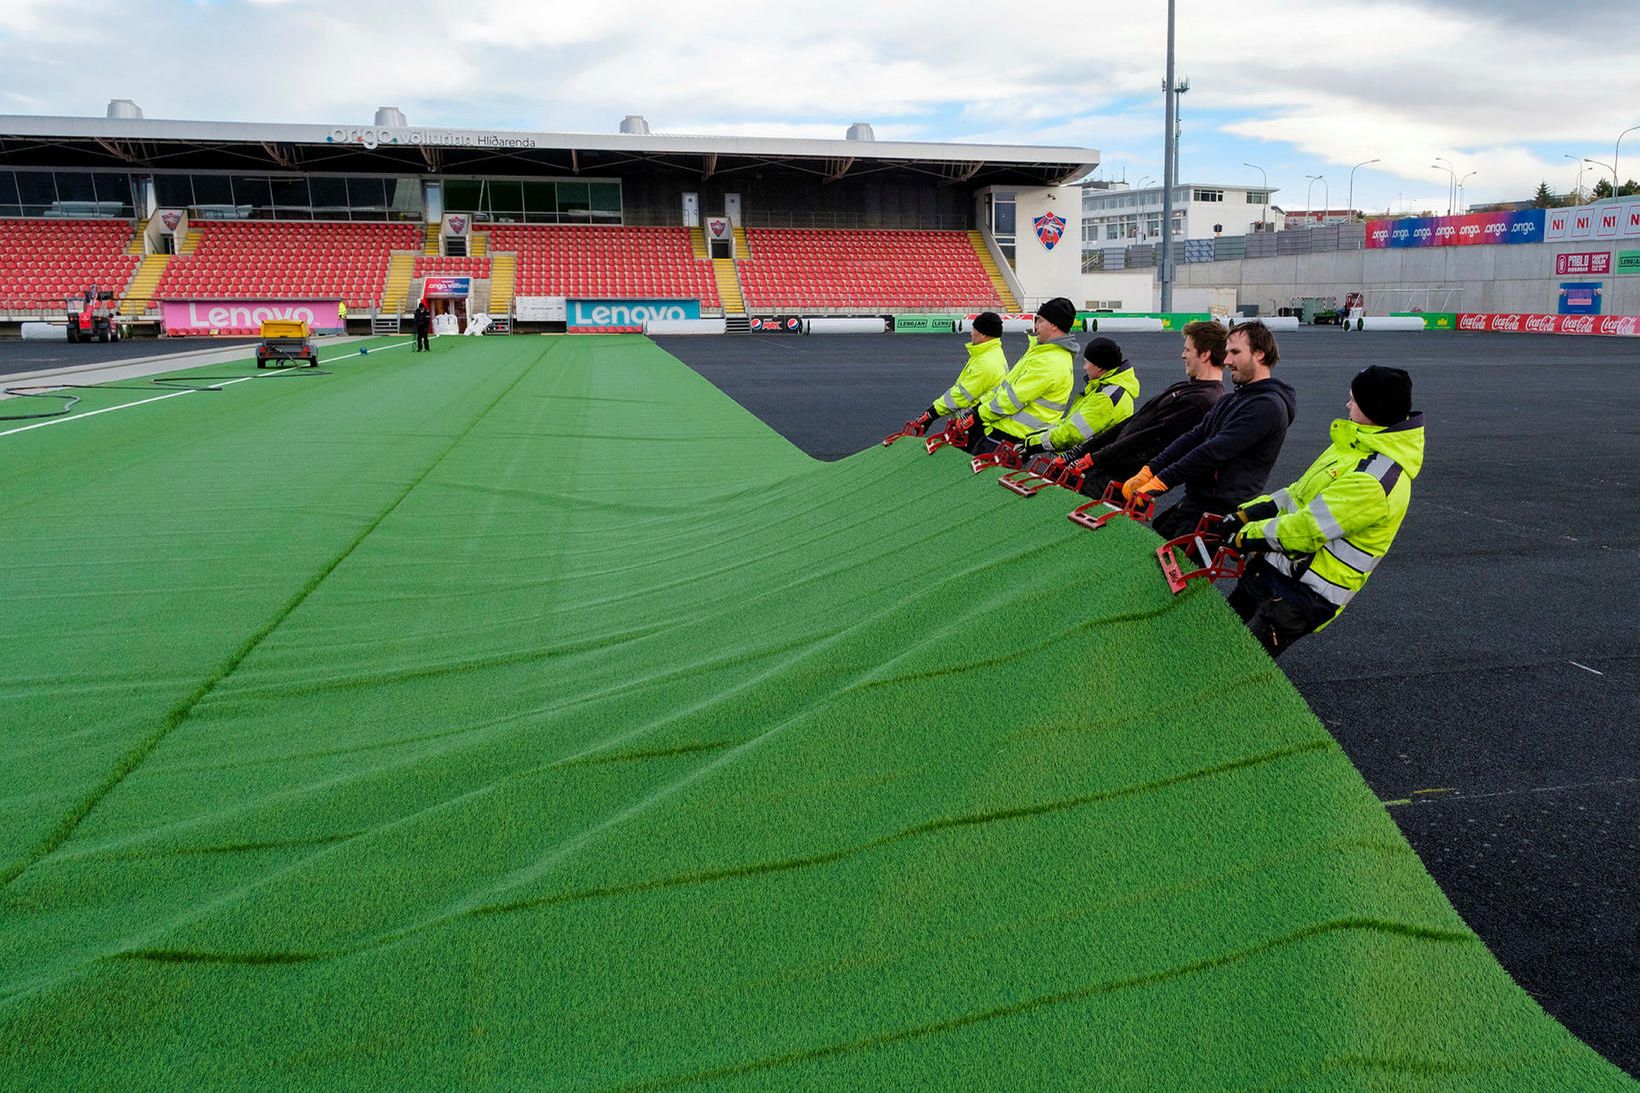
(245, 316)
(777, 324)
(1580, 297)
(1586, 262)
(1619, 326)
(628, 313)
(446, 286)
(1468, 230)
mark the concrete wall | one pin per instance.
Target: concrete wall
(1135, 288)
(1483, 278)
(1045, 273)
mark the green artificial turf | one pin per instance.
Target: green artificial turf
(529, 714)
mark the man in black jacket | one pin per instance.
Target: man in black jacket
(424, 326)
(1227, 458)
(1118, 453)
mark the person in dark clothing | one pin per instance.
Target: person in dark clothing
(424, 327)
(1228, 457)
(1118, 453)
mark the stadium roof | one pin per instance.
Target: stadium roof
(175, 145)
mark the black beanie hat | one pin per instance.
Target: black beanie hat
(988, 323)
(1383, 394)
(1103, 354)
(1058, 311)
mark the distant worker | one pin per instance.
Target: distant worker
(424, 327)
(341, 313)
(1318, 540)
(1106, 401)
(1036, 392)
(1228, 457)
(1120, 452)
(985, 368)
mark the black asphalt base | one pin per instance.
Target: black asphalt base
(1486, 677)
(18, 356)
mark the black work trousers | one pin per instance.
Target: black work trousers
(422, 340)
(1276, 608)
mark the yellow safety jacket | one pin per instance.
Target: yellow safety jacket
(1105, 401)
(1337, 521)
(985, 368)
(1036, 391)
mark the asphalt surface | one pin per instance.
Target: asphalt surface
(18, 357)
(1487, 675)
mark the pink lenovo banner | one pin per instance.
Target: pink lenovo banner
(246, 316)
(1514, 322)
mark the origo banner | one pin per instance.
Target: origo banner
(1470, 229)
(447, 286)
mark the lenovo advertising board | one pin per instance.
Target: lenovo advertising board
(627, 313)
(246, 316)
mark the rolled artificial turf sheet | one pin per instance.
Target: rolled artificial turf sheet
(526, 713)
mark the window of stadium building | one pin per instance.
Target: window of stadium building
(534, 201)
(288, 197)
(65, 194)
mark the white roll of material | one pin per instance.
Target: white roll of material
(1391, 322)
(1275, 322)
(1106, 324)
(42, 332)
(843, 326)
(685, 326)
(1019, 326)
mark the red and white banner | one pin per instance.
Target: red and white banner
(246, 316)
(1619, 220)
(1516, 322)
(1598, 262)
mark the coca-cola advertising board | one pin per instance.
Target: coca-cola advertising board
(1512, 322)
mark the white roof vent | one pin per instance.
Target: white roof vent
(635, 125)
(124, 109)
(390, 117)
(860, 131)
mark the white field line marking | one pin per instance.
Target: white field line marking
(1585, 667)
(173, 394)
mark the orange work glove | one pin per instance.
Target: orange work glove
(1083, 465)
(1131, 486)
(1155, 485)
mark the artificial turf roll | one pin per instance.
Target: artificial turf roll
(528, 713)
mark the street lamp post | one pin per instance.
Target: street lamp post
(1309, 202)
(1351, 201)
(1461, 181)
(1264, 184)
(1452, 183)
(1618, 147)
(1610, 167)
(1577, 189)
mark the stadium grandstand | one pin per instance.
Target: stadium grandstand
(520, 226)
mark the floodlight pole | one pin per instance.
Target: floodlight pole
(1264, 182)
(1350, 204)
(1169, 170)
(1616, 148)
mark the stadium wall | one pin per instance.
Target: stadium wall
(1485, 278)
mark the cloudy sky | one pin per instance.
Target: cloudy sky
(1505, 89)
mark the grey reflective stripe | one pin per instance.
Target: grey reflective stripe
(996, 403)
(1113, 392)
(1081, 424)
(958, 389)
(1052, 405)
(1280, 563)
(1352, 556)
(1030, 421)
(1284, 500)
(1332, 593)
(1324, 519)
(1270, 535)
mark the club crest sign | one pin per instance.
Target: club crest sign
(170, 218)
(456, 224)
(1050, 228)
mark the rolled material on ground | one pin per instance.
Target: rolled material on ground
(685, 326)
(1274, 322)
(1391, 322)
(40, 332)
(843, 326)
(1119, 324)
(1018, 326)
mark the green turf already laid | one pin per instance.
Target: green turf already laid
(528, 714)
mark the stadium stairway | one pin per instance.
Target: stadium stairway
(991, 271)
(139, 293)
(503, 275)
(139, 242)
(743, 249)
(478, 245)
(431, 243)
(728, 282)
(697, 242)
(190, 241)
(397, 287)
